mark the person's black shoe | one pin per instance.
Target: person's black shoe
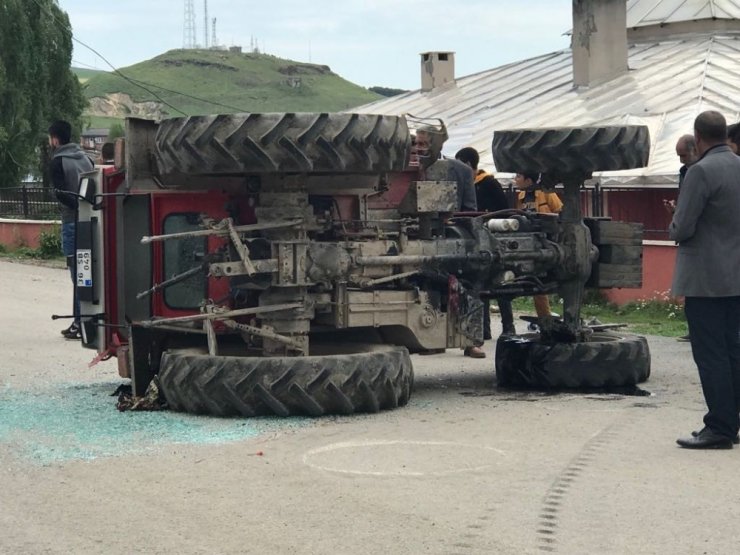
(735, 440)
(73, 332)
(432, 352)
(65, 331)
(705, 439)
(684, 338)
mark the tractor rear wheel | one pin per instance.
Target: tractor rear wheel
(331, 143)
(607, 359)
(370, 379)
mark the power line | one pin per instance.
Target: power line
(91, 49)
(173, 91)
(193, 97)
(141, 84)
(88, 66)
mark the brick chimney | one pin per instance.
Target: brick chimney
(599, 40)
(437, 68)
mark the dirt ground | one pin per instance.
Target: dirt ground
(464, 468)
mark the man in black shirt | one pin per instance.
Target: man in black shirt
(490, 197)
(489, 194)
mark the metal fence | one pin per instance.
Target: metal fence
(28, 203)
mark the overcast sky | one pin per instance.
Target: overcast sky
(372, 42)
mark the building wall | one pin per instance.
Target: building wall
(658, 261)
(24, 233)
(642, 205)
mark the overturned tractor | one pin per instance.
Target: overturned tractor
(290, 263)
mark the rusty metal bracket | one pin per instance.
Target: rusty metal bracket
(221, 269)
(241, 248)
(219, 314)
(222, 229)
(267, 334)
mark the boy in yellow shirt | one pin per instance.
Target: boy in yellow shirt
(531, 197)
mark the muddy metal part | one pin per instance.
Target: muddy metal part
(331, 246)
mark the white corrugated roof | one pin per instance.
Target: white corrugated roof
(668, 84)
(641, 13)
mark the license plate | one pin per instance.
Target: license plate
(84, 268)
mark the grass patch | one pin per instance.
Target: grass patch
(661, 315)
(101, 122)
(50, 243)
(46, 253)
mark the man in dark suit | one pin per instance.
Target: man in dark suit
(707, 229)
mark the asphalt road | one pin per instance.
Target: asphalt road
(464, 468)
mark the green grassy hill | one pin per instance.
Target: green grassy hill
(84, 75)
(231, 82)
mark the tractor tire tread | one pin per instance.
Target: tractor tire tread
(379, 379)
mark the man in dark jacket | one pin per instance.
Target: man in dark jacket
(489, 194)
(687, 155)
(490, 197)
(707, 230)
(686, 152)
(68, 161)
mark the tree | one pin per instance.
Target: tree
(37, 85)
(116, 130)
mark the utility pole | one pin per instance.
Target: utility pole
(214, 40)
(188, 32)
(205, 23)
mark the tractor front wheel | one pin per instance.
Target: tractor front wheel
(607, 359)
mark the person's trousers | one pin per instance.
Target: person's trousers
(714, 331)
(507, 317)
(69, 248)
(542, 305)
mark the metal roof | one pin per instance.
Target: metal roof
(95, 132)
(642, 13)
(668, 84)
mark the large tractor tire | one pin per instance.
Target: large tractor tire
(608, 359)
(568, 151)
(377, 379)
(282, 143)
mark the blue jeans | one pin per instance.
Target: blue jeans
(69, 247)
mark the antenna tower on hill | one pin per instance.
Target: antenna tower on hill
(205, 23)
(188, 32)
